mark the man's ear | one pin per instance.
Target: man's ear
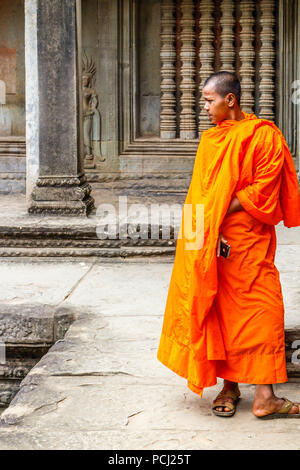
(230, 100)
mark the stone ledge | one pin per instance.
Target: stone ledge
(123, 252)
(28, 331)
(29, 324)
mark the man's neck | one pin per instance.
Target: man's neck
(235, 114)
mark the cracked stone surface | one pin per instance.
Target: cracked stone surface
(101, 387)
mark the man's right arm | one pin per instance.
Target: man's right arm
(261, 197)
(235, 206)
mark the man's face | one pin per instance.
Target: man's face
(85, 80)
(217, 107)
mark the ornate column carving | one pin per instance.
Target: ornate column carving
(206, 54)
(227, 52)
(187, 85)
(247, 55)
(55, 182)
(267, 58)
(168, 71)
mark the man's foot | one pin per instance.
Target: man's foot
(223, 398)
(263, 406)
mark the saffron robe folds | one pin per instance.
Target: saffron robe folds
(225, 317)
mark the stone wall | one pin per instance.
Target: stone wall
(132, 43)
(12, 100)
(148, 47)
(12, 68)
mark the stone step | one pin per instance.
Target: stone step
(22, 234)
(124, 252)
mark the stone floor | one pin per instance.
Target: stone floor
(13, 206)
(102, 386)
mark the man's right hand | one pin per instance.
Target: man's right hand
(221, 238)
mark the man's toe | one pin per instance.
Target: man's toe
(295, 409)
(223, 408)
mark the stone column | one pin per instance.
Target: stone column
(56, 183)
(247, 55)
(168, 71)
(206, 55)
(227, 51)
(188, 70)
(267, 59)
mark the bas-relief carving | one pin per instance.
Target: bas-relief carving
(91, 115)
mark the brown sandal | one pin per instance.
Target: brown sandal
(219, 402)
(284, 411)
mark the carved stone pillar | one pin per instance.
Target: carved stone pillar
(247, 55)
(227, 52)
(206, 54)
(267, 58)
(56, 183)
(188, 69)
(168, 71)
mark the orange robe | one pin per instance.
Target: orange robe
(225, 317)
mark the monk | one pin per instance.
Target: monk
(224, 317)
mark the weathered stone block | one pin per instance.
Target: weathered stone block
(26, 323)
(13, 164)
(63, 318)
(8, 389)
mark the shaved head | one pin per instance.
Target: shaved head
(221, 93)
(224, 83)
